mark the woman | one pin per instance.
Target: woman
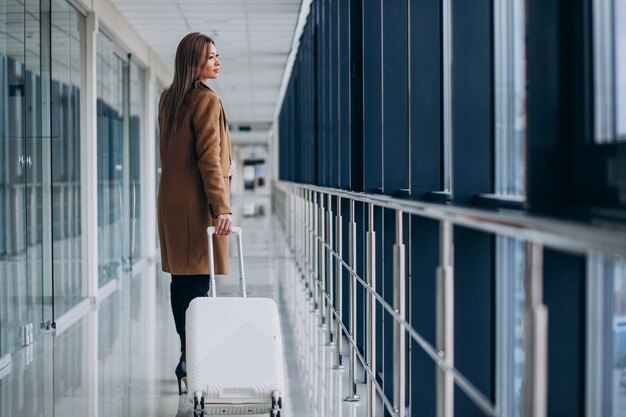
(194, 190)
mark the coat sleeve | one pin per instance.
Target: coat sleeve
(206, 128)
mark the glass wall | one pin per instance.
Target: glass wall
(40, 168)
(42, 73)
(619, 17)
(610, 70)
(510, 177)
(511, 297)
(510, 85)
(111, 160)
(137, 95)
(23, 132)
(615, 271)
(67, 46)
(606, 344)
(157, 153)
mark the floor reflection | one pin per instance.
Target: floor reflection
(118, 359)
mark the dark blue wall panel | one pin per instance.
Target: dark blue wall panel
(395, 96)
(472, 92)
(372, 97)
(426, 96)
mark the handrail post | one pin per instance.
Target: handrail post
(399, 363)
(322, 252)
(445, 320)
(315, 254)
(301, 239)
(290, 219)
(296, 228)
(303, 236)
(329, 272)
(339, 288)
(309, 274)
(371, 312)
(536, 321)
(352, 395)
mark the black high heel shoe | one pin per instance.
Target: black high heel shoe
(181, 375)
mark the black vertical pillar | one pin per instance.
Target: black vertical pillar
(564, 296)
(372, 97)
(474, 315)
(424, 255)
(388, 238)
(425, 99)
(356, 95)
(472, 105)
(395, 96)
(545, 155)
(332, 15)
(343, 53)
(317, 114)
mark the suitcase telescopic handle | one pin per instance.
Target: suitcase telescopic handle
(242, 280)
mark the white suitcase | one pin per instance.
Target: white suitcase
(234, 351)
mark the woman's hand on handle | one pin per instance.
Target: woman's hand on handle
(223, 225)
(232, 170)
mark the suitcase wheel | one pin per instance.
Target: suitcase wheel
(277, 402)
(198, 404)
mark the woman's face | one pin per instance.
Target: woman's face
(212, 68)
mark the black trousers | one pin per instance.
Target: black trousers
(183, 289)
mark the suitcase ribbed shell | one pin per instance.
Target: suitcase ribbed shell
(234, 353)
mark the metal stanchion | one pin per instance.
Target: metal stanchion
(352, 395)
(301, 239)
(305, 241)
(307, 236)
(296, 229)
(371, 312)
(315, 247)
(290, 217)
(322, 267)
(339, 289)
(329, 271)
(445, 321)
(399, 334)
(536, 321)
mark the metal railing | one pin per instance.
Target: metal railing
(316, 242)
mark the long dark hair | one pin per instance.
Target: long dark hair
(191, 59)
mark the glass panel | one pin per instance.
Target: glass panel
(157, 99)
(510, 318)
(447, 95)
(110, 124)
(609, 55)
(67, 65)
(37, 136)
(614, 270)
(13, 283)
(620, 67)
(137, 95)
(4, 162)
(510, 72)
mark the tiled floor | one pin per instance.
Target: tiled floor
(118, 359)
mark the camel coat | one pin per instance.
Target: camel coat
(194, 187)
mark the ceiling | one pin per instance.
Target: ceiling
(253, 38)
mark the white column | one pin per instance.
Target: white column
(91, 366)
(148, 173)
(89, 207)
(273, 162)
(89, 160)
